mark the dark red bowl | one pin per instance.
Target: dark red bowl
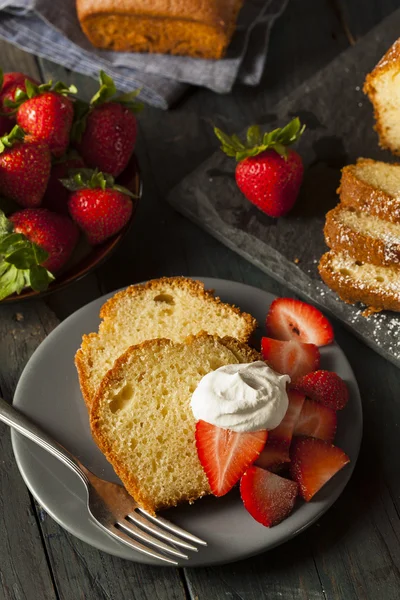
(86, 258)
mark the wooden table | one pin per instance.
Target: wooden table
(354, 550)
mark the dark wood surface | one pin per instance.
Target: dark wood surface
(353, 552)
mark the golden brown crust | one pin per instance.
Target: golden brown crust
(388, 62)
(114, 377)
(363, 196)
(111, 307)
(348, 290)
(198, 28)
(365, 248)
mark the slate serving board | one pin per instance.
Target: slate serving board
(339, 123)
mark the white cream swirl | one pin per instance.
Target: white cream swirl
(241, 397)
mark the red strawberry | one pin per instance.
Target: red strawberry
(274, 454)
(56, 234)
(11, 83)
(293, 358)
(106, 132)
(56, 195)
(266, 496)
(325, 387)
(284, 432)
(316, 420)
(290, 319)
(47, 115)
(226, 454)
(24, 168)
(100, 208)
(314, 462)
(267, 173)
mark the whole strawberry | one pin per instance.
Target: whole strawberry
(98, 206)
(11, 85)
(47, 114)
(56, 195)
(25, 165)
(105, 131)
(56, 234)
(268, 173)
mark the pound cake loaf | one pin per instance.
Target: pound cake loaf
(372, 186)
(142, 421)
(382, 87)
(197, 28)
(354, 281)
(172, 308)
(364, 237)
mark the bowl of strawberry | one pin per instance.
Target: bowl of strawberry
(69, 182)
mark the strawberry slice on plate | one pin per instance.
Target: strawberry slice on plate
(283, 433)
(316, 420)
(225, 455)
(290, 319)
(268, 497)
(292, 357)
(313, 463)
(273, 456)
(325, 387)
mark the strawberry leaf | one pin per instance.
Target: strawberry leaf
(129, 100)
(83, 179)
(255, 143)
(106, 91)
(15, 135)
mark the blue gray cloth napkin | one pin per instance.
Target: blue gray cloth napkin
(50, 29)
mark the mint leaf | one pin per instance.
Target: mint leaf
(40, 278)
(6, 226)
(8, 281)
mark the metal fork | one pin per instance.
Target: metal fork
(109, 504)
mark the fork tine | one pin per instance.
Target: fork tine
(174, 528)
(134, 545)
(169, 537)
(132, 529)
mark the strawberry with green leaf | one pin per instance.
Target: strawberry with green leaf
(268, 173)
(105, 130)
(98, 206)
(10, 83)
(25, 165)
(46, 112)
(33, 242)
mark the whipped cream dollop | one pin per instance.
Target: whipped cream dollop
(241, 397)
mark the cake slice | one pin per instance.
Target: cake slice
(373, 187)
(172, 308)
(364, 237)
(141, 417)
(355, 281)
(382, 87)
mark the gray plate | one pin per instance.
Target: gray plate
(49, 393)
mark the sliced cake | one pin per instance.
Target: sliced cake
(355, 281)
(364, 237)
(382, 86)
(373, 187)
(141, 417)
(172, 308)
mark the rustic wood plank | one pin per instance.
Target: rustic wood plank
(24, 572)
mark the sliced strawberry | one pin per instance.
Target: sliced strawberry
(293, 358)
(283, 433)
(316, 420)
(313, 463)
(269, 498)
(325, 387)
(274, 454)
(226, 454)
(290, 319)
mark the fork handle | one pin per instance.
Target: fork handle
(18, 421)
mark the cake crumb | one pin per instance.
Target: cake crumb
(19, 317)
(296, 260)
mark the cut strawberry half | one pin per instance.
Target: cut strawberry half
(313, 463)
(274, 455)
(316, 420)
(293, 358)
(325, 387)
(268, 497)
(226, 454)
(283, 433)
(290, 319)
